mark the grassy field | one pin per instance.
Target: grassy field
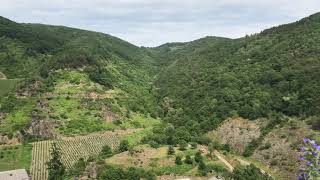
(158, 160)
(7, 85)
(70, 82)
(15, 157)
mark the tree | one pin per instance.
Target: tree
(171, 150)
(78, 168)
(56, 168)
(106, 151)
(188, 160)
(113, 173)
(178, 160)
(182, 145)
(250, 172)
(193, 145)
(124, 146)
(202, 168)
(198, 157)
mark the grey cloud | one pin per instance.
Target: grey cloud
(153, 22)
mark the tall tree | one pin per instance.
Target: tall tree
(55, 166)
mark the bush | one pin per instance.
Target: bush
(250, 172)
(171, 150)
(202, 168)
(198, 157)
(106, 151)
(193, 145)
(314, 122)
(124, 146)
(78, 168)
(265, 146)
(216, 168)
(178, 160)
(188, 160)
(183, 145)
(204, 140)
(154, 144)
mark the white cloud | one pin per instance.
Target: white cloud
(153, 22)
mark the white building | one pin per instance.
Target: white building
(18, 174)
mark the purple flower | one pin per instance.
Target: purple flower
(301, 158)
(302, 149)
(309, 163)
(314, 154)
(315, 145)
(318, 148)
(306, 140)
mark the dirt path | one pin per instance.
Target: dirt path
(80, 95)
(222, 159)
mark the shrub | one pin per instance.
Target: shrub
(171, 150)
(198, 157)
(178, 160)
(124, 146)
(183, 145)
(202, 168)
(106, 151)
(154, 144)
(193, 145)
(216, 168)
(188, 160)
(250, 172)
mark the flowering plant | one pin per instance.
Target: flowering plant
(311, 158)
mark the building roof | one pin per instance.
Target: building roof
(18, 174)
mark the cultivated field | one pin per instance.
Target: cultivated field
(71, 149)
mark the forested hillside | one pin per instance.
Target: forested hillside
(33, 51)
(66, 85)
(277, 71)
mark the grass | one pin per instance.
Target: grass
(135, 138)
(71, 82)
(7, 85)
(139, 121)
(77, 119)
(175, 169)
(15, 157)
(19, 118)
(258, 164)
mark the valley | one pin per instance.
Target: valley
(97, 107)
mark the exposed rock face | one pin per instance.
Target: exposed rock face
(108, 115)
(42, 126)
(237, 132)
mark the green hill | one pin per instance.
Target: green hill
(214, 78)
(64, 82)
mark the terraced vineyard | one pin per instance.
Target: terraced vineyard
(71, 149)
(40, 155)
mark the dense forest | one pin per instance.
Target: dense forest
(203, 82)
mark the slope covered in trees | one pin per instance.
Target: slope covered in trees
(76, 82)
(197, 84)
(205, 81)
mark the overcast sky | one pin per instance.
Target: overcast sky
(154, 22)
